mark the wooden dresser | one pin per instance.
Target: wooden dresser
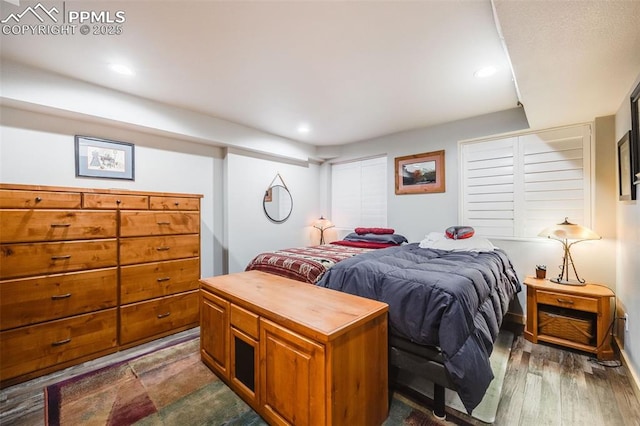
(86, 272)
(297, 353)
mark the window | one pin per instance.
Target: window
(514, 187)
(359, 193)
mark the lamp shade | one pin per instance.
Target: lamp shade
(322, 224)
(569, 231)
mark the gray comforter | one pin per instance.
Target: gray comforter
(453, 300)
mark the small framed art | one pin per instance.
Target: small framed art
(626, 167)
(102, 158)
(420, 173)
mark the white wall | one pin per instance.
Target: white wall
(249, 231)
(628, 259)
(39, 149)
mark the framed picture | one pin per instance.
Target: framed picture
(420, 173)
(101, 158)
(627, 156)
(635, 128)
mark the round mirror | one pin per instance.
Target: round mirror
(277, 203)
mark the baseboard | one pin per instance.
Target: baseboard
(635, 379)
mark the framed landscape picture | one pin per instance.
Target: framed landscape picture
(102, 158)
(420, 173)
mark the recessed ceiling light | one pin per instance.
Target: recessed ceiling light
(304, 128)
(121, 69)
(485, 72)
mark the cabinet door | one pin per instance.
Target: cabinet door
(214, 333)
(292, 382)
(244, 366)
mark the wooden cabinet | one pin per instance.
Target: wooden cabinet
(577, 317)
(297, 353)
(87, 272)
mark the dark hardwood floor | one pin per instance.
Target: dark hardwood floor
(544, 385)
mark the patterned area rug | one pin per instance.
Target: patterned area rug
(171, 386)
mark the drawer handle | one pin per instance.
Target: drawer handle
(60, 296)
(164, 315)
(569, 302)
(163, 279)
(38, 199)
(177, 204)
(61, 342)
(118, 201)
(162, 248)
(66, 256)
(164, 223)
(60, 225)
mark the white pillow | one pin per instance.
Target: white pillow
(435, 240)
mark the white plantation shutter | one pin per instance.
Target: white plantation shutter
(359, 193)
(516, 186)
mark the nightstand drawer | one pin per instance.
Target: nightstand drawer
(567, 301)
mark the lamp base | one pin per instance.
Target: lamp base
(567, 282)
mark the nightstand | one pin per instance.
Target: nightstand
(576, 317)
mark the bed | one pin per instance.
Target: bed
(309, 264)
(306, 264)
(445, 310)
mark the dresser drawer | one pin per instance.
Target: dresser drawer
(146, 319)
(139, 223)
(19, 199)
(567, 301)
(56, 225)
(154, 249)
(115, 201)
(150, 280)
(245, 321)
(32, 300)
(174, 203)
(21, 260)
(32, 348)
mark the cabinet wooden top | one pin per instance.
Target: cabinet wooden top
(302, 307)
(592, 290)
(123, 191)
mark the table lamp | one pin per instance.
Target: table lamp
(568, 234)
(322, 224)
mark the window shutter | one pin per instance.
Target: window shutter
(359, 193)
(516, 186)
